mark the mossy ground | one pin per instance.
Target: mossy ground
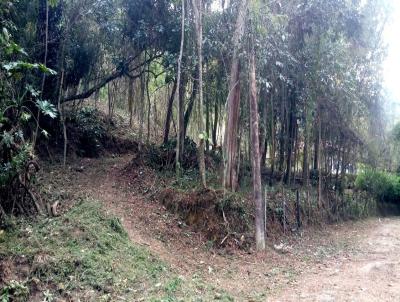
(87, 255)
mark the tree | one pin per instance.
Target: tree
(255, 152)
(230, 180)
(198, 17)
(180, 105)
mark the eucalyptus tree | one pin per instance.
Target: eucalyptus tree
(198, 18)
(230, 180)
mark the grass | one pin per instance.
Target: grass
(87, 255)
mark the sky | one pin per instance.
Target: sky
(392, 62)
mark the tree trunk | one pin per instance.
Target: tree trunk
(215, 124)
(273, 139)
(319, 167)
(131, 98)
(305, 149)
(290, 138)
(255, 156)
(316, 147)
(230, 181)
(62, 119)
(141, 111)
(263, 131)
(180, 101)
(189, 109)
(198, 15)
(148, 108)
(169, 112)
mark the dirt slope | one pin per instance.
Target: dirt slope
(348, 262)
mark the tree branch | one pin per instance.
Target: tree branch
(119, 72)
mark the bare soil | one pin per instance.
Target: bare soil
(353, 261)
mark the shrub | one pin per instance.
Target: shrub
(385, 187)
(89, 130)
(20, 109)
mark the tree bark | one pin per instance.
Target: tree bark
(255, 156)
(169, 112)
(198, 16)
(319, 159)
(230, 180)
(148, 108)
(215, 124)
(180, 107)
(189, 109)
(131, 98)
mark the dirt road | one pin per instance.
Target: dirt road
(348, 262)
(371, 275)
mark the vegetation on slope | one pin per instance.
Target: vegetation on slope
(86, 254)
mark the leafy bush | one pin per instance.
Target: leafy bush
(20, 110)
(385, 187)
(163, 157)
(89, 131)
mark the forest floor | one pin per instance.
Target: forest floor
(352, 261)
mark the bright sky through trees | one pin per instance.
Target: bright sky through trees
(392, 63)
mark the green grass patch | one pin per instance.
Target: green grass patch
(87, 255)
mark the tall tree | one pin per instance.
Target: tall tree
(230, 180)
(180, 100)
(198, 17)
(255, 153)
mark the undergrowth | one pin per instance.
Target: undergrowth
(87, 255)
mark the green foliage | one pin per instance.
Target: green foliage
(90, 131)
(385, 187)
(15, 166)
(14, 291)
(47, 108)
(19, 102)
(163, 157)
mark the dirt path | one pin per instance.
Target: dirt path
(371, 275)
(349, 262)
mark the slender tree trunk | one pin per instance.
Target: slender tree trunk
(169, 112)
(110, 103)
(273, 139)
(215, 124)
(338, 164)
(263, 131)
(62, 118)
(319, 160)
(131, 98)
(255, 158)
(316, 147)
(283, 130)
(198, 14)
(180, 107)
(148, 108)
(230, 180)
(192, 99)
(305, 148)
(207, 123)
(290, 138)
(141, 111)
